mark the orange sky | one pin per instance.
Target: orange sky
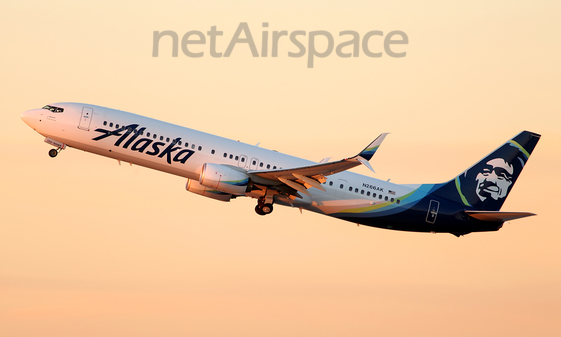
(88, 247)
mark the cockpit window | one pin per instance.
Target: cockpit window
(53, 108)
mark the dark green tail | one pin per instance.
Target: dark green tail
(485, 185)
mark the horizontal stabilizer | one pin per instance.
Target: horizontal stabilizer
(497, 216)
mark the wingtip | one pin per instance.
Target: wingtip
(365, 163)
(371, 149)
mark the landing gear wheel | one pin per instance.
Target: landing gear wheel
(258, 210)
(267, 208)
(53, 153)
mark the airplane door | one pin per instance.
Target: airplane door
(86, 118)
(241, 162)
(341, 186)
(253, 164)
(433, 211)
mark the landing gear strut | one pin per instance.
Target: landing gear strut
(263, 208)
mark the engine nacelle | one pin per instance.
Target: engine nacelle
(225, 179)
(195, 187)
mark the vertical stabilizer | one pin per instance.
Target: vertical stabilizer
(485, 185)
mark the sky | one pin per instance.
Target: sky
(91, 247)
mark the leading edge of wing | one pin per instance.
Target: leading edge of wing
(324, 169)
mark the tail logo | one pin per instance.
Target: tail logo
(486, 185)
(494, 180)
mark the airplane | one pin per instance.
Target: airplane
(224, 169)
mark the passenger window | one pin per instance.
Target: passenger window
(392, 199)
(361, 191)
(350, 188)
(155, 136)
(274, 167)
(254, 162)
(225, 155)
(368, 193)
(148, 134)
(356, 190)
(236, 158)
(104, 122)
(380, 196)
(110, 125)
(231, 156)
(179, 142)
(330, 183)
(117, 126)
(167, 140)
(193, 146)
(373, 195)
(212, 152)
(386, 198)
(162, 138)
(341, 186)
(261, 165)
(268, 166)
(200, 148)
(243, 159)
(398, 201)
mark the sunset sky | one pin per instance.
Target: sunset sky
(91, 248)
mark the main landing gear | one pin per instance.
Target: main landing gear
(263, 208)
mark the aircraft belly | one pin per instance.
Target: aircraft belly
(414, 221)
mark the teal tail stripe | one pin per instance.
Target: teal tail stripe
(459, 188)
(512, 142)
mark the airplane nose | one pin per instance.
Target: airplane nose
(28, 117)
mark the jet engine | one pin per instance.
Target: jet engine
(225, 179)
(195, 187)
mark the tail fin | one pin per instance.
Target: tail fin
(485, 185)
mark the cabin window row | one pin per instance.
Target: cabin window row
(242, 159)
(155, 136)
(362, 192)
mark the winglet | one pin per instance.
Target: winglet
(365, 163)
(369, 151)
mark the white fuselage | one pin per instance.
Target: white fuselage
(79, 125)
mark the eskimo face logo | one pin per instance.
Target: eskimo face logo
(494, 180)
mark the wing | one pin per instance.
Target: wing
(304, 177)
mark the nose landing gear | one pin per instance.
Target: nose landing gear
(59, 146)
(53, 152)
